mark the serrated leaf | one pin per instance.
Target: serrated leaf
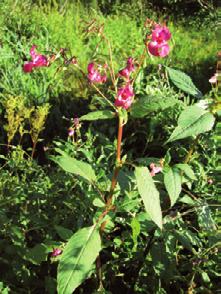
(96, 115)
(187, 170)
(172, 181)
(192, 121)
(183, 82)
(77, 259)
(149, 103)
(76, 167)
(149, 194)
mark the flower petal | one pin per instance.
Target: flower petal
(153, 48)
(163, 49)
(27, 67)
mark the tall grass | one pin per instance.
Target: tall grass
(52, 25)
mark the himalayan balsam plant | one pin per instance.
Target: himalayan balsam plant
(80, 256)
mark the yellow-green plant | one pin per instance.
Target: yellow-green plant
(37, 122)
(16, 113)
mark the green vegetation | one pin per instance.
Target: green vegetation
(79, 208)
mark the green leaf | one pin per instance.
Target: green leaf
(205, 277)
(37, 254)
(186, 169)
(146, 225)
(123, 115)
(149, 194)
(205, 218)
(98, 202)
(77, 259)
(96, 115)
(172, 181)
(135, 226)
(3, 290)
(183, 82)
(183, 239)
(149, 103)
(76, 167)
(188, 239)
(63, 233)
(187, 200)
(192, 121)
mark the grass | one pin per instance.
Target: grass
(52, 27)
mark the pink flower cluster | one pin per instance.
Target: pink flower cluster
(124, 96)
(94, 74)
(126, 92)
(125, 72)
(158, 45)
(38, 60)
(155, 169)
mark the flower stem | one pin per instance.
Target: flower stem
(109, 205)
(190, 153)
(33, 149)
(118, 162)
(141, 61)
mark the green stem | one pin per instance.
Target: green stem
(190, 153)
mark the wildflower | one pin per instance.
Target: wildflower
(213, 79)
(125, 72)
(155, 169)
(38, 60)
(124, 96)
(94, 75)
(56, 252)
(70, 132)
(158, 45)
(160, 34)
(210, 181)
(158, 49)
(74, 60)
(77, 123)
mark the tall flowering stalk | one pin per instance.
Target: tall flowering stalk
(120, 99)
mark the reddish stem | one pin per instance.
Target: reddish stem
(118, 163)
(33, 149)
(119, 140)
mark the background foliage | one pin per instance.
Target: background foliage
(41, 205)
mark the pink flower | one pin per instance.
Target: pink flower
(158, 45)
(124, 96)
(70, 132)
(38, 60)
(154, 169)
(77, 123)
(213, 79)
(94, 75)
(160, 34)
(125, 72)
(158, 49)
(56, 252)
(210, 181)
